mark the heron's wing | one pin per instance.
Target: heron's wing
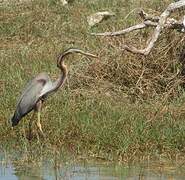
(29, 97)
(42, 77)
(27, 87)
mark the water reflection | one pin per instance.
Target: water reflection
(48, 170)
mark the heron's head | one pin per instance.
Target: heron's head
(69, 51)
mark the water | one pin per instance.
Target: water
(83, 170)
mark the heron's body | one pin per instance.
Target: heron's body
(39, 88)
(36, 88)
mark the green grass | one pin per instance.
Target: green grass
(104, 111)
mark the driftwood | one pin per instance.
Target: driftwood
(158, 22)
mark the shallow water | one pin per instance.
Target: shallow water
(83, 170)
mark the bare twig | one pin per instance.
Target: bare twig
(124, 31)
(161, 25)
(149, 20)
(159, 22)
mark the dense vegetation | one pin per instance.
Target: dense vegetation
(118, 107)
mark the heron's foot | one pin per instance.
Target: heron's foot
(29, 136)
(42, 135)
(40, 132)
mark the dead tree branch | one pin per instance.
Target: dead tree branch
(159, 22)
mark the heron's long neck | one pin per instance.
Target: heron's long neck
(61, 79)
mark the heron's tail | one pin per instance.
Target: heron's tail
(15, 120)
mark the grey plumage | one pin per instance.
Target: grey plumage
(27, 103)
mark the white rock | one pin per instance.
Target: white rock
(98, 17)
(64, 2)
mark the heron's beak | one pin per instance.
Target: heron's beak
(83, 52)
(90, 55)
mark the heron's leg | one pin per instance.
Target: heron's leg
(30, 125)
(38, 106)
